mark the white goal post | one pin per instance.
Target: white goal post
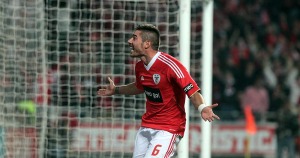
(55, 54)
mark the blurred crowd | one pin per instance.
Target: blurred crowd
(256, 44)
(257, 56)
(257, 64)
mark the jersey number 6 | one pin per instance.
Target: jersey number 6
(156, 150)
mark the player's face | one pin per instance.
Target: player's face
(136, 44)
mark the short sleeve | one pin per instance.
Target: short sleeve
(184, 80)
(137, 78)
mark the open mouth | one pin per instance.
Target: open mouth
(131, 49)
(134, 52)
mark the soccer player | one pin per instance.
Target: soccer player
(165, 82)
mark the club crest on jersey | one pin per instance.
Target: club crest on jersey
(156, 78)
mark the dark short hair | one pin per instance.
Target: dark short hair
(151, 33)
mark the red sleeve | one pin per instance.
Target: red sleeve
(137, 80)
(183, 79)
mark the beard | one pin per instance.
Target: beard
(135, 54)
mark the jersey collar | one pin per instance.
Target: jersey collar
(147, 67)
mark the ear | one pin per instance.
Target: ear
(147, 44)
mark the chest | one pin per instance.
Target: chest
(156, 78)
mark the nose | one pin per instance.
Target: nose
(129, 40)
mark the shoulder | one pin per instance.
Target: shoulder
(139, 63)
(139, 66)
(169, 60)
(167, 56)
(172, 64)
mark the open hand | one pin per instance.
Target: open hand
(108, 90)
(207, 113)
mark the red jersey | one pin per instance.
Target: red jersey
(165, 82)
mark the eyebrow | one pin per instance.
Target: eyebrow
(134, 35)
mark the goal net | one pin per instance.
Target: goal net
(55, 54)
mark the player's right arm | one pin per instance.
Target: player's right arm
(111, 89)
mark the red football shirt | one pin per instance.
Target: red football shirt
(165, 82)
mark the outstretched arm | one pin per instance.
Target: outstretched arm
(112, 89)
(206, 111)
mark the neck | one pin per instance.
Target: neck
(148, 57)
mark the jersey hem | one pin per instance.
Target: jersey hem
(181, 133)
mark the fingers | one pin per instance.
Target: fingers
(109, 79)
(209, 120)
(216, 116)
(214, 105)
(101, 92)
(111, 82)
(211, 117)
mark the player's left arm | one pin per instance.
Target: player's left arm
(206, 111)
(189, 86)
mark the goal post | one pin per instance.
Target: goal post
(55, 54)
(184, 40)
(207, 46)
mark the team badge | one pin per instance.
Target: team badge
(156, 78)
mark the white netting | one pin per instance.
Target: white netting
(21, 47)
(85, 42)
